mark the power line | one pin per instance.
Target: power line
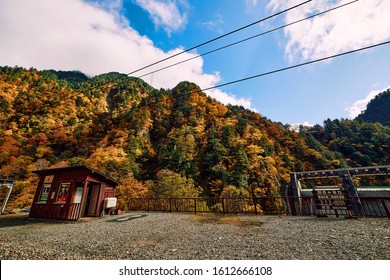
(281, 69)
(297, 65)
(277, 70)
(219, 37)
(249, 38)
(265, 73)
(205, 43)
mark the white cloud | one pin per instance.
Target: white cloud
(216, 24)
(250, 4)
(360, 105)
(166, 13)
(110, 5)
(359, 24)
(296, 126)
(72, 35)
(227, 98)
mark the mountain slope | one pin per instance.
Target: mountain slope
(122, 126)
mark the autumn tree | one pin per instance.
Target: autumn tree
(213, 167)
(128, 188)
(169, 184)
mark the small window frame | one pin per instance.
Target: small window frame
(63, 193)
(48, 179)
(45, 193)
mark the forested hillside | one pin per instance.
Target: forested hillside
(360, 143)
(177, 142)
(378, 109)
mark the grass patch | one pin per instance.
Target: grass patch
(235, 220)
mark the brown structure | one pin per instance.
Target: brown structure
(70, 193)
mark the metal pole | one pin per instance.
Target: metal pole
(9, 184)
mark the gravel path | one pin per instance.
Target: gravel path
(167, 236)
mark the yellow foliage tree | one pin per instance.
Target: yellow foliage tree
(130, 188)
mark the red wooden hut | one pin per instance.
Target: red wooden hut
(70, 193)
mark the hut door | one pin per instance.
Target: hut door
(92, 199)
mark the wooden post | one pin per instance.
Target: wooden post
(195, 205)
(223, 206)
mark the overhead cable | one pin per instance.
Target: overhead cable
(219, 37)
(275, 71)
(249, 38)
(204, 43)
(297, 65)
(148, 103)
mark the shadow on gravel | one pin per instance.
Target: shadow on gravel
(23, 219)
(127, 218)
(13, 220)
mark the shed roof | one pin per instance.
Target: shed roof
(75, 168)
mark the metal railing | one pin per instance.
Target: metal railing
(267, 205)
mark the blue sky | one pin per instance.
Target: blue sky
(98, 36)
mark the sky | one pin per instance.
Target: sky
(100, 36)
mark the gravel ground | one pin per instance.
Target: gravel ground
(167, 236)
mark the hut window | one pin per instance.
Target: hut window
(49, 179)
(78, 195)
(63, 192)
(44, 193)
